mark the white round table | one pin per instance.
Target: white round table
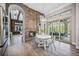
(44, 38)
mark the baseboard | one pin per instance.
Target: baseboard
(73, 43)
(77, 47)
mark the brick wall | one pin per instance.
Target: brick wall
(31, 18)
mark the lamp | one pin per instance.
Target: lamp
(44, 20)
(39, 24)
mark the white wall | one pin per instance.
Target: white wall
(77, 26)
(1, 17)
(3, 5)
(73, 24)
(71, 7)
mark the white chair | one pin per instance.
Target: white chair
(39, 42)
(51, 41)
(44, 42)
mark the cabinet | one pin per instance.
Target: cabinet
(0, 29)
(3, 36)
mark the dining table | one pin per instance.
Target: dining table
(44, 38)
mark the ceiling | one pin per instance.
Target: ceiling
(45, 7)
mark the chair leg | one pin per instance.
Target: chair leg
(44, 45)
(54, 46)
(38, 45)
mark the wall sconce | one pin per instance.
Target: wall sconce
(60, 17)
(39, 24)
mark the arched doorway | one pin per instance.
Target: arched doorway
(16, 18)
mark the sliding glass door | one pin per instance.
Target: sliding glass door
(61, 27)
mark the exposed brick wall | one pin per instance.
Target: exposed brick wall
(31, 17)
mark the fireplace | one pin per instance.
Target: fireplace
(32, 33)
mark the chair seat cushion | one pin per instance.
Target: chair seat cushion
(49, 41)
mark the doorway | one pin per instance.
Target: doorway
(15, 25)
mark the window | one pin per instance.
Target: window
(14, 14)
(18, 28)
(21, 16)
(59, 27)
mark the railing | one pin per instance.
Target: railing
(3, 47)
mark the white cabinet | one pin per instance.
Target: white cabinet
(3, 40)
(0, 29)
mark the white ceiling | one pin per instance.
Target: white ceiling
(45, 7)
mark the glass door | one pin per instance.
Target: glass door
(67, 36)
(60, 26)
(5, 27)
